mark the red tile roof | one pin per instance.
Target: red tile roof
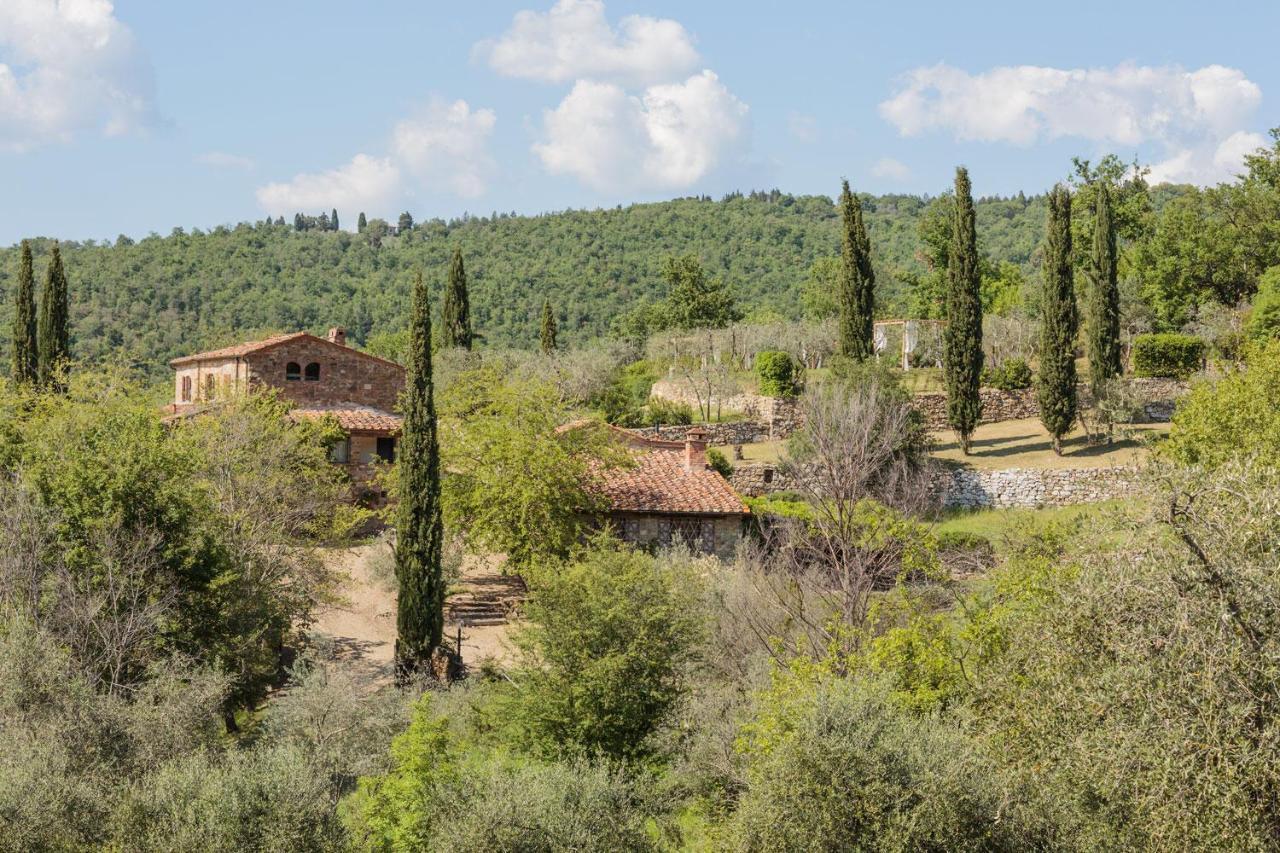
(354, 418)
(660, 483)
(250, 347)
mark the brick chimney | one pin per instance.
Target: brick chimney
(695, 449)
(338, 335)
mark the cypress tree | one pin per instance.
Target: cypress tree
(53, 342)
(26, 357)
(419, 525)
(1057, 385)
(1102, 311)
(361, 223)
(857, 281)
(333, 220)
(548, 333)
(962, 340)
(455, 319)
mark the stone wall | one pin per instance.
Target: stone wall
(1032, 487)
(997, 406)
(973, 489)
(346, 375)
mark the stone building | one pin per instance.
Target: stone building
(320, 376)
(670, 494)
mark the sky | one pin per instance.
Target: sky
(144, 115)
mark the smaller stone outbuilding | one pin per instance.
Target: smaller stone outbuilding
(671, 495)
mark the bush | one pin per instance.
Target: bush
(1238, 416)
(660, 411)
(1167, 355)
(1264, 319)
(1012, 375)
(719, 462)
(837, 766)
(777, 373)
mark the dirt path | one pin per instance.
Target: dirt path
(362, 628)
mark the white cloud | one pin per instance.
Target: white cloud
(441, 149)
(668, 137)
(574, 40)
(1191, 115)
(445, 145)
(366, 183)
(68, 66)
(1207, 165)
(887, 167)
(223, 160)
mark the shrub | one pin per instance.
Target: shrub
(1167, 355)
(661, 411)
(1264, 319)
(719, 462)
(777, 373)
(1012, 375)
(1237, 416)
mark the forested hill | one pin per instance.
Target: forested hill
(163, 296)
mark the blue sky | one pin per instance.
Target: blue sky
(146, 115)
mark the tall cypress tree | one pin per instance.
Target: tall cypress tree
(26, 356)
(53, 340)
(962, 341)
(857, 281)
(419, 525)
(333, 220)
(547, 336)
(361, 223)
(1057, 385)
(455, 319)
(1102, 311)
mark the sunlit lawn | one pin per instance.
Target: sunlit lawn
(1025, 444)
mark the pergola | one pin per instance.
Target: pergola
(910, 336)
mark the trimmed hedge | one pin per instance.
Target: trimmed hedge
(777, 373)
(1167, 355)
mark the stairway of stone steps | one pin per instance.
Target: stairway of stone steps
(488, 599)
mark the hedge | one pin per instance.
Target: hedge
(1167, 355)
(776, 371)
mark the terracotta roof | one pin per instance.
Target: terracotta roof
(250, 347)
(354, 418)
(659, 482)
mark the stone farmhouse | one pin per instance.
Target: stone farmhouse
(672, 495)
(320, 376)
(669, 495)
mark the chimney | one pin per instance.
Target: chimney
(695, 449)
(338, 335)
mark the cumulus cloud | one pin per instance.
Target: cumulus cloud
(366, 183)
(668, 137)
(223, 160)
(887, 167)
(68, 66)
(445, 146)
(574, 40)
(1191, 115)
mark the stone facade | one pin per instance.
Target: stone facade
(706, 534)
(345, 375)
(1030, 487)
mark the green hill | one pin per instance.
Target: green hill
(159, 297)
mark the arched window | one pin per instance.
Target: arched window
(313, 372)
(292, 371)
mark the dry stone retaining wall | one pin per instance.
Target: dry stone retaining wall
(973, 489)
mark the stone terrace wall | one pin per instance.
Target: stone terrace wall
(1032, 487)
(971, 489)
(997, 405)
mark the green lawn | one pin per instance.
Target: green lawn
(995, 525)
